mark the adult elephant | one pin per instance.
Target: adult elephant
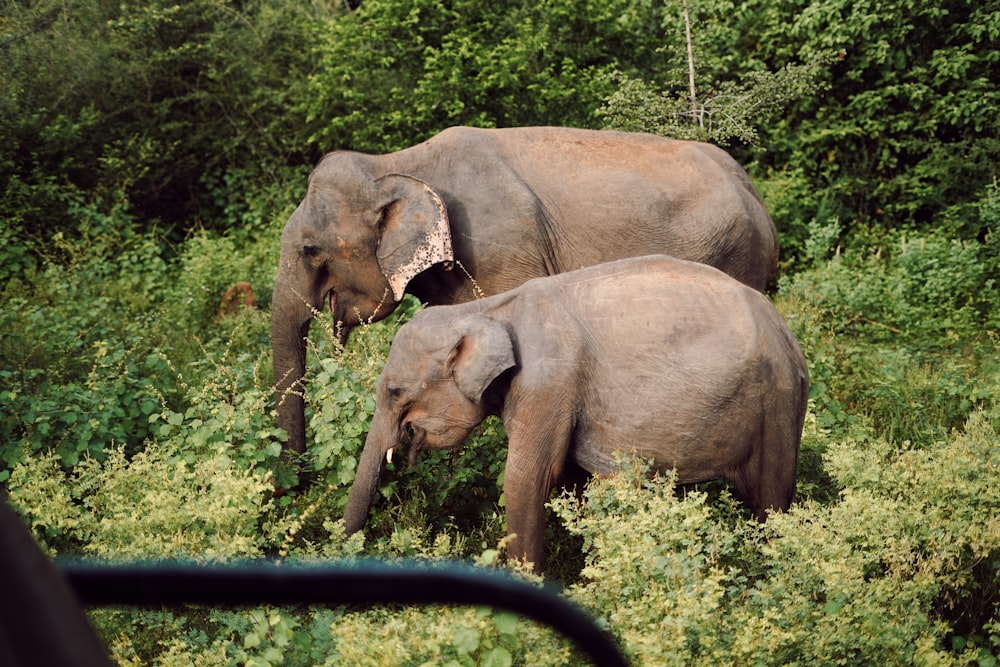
(505, 206)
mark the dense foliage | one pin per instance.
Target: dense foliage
(155, 114)
(152, 151)
(908, 134)
(399, 70)
(903, 132)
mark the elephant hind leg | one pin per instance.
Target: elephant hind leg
(766, 480)
(765, 489)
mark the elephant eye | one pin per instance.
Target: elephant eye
(310, 250)
(395, 392)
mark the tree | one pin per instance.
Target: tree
(706, 95)
(909, 133)
(731, 111)
(905, 130)
(145, 111)
(397, 71)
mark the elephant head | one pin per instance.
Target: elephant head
(432, 391)
(357, 239)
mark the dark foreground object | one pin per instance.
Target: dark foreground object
(368, 583)
(42, 621)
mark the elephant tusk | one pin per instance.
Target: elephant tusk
(388, 454)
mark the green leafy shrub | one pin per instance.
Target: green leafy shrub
(442, 636)
(988, 230)
(911, 289)
(428, 65)
(794, 206)
(905, 137)
(209, 264)
(409, 637)
(899, 334)
(156, 504)
(157, 104)
(108, 338)
(729, 113)
(663, 588)
(342, 396)
(227, 416)
(77, 419)
(77, 362)
(889, 574)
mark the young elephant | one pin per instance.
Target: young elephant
(667, 359)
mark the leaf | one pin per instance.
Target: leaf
(497, 656)
(466, 640)
(506, 623)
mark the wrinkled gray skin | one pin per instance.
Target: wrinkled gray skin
(509, 205)
(665, 359)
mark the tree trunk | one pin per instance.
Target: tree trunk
(695, 116)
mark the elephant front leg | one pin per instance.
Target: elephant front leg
(533, 469)
(525, 523)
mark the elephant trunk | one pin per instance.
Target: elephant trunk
(290, 319)
(383, 436)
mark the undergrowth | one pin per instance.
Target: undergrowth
(137, 423)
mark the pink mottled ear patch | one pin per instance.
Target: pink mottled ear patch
(434, 248)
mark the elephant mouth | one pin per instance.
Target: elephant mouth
(331, 297)
(414, 441)
(337, 318)
(417, 438)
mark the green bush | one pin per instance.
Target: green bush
(397, 71)
(108, 336)
(161, 105)
(929, 290)
(155, 505)
(78, 367)
(899, 334)
(906, 136)
(793, 202)
(892, 573)
(267, 636)
(208, 265)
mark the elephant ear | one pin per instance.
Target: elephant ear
(414, 233)
(482, 353)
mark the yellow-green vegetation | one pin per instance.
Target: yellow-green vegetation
(153, 150)
(891, 554)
